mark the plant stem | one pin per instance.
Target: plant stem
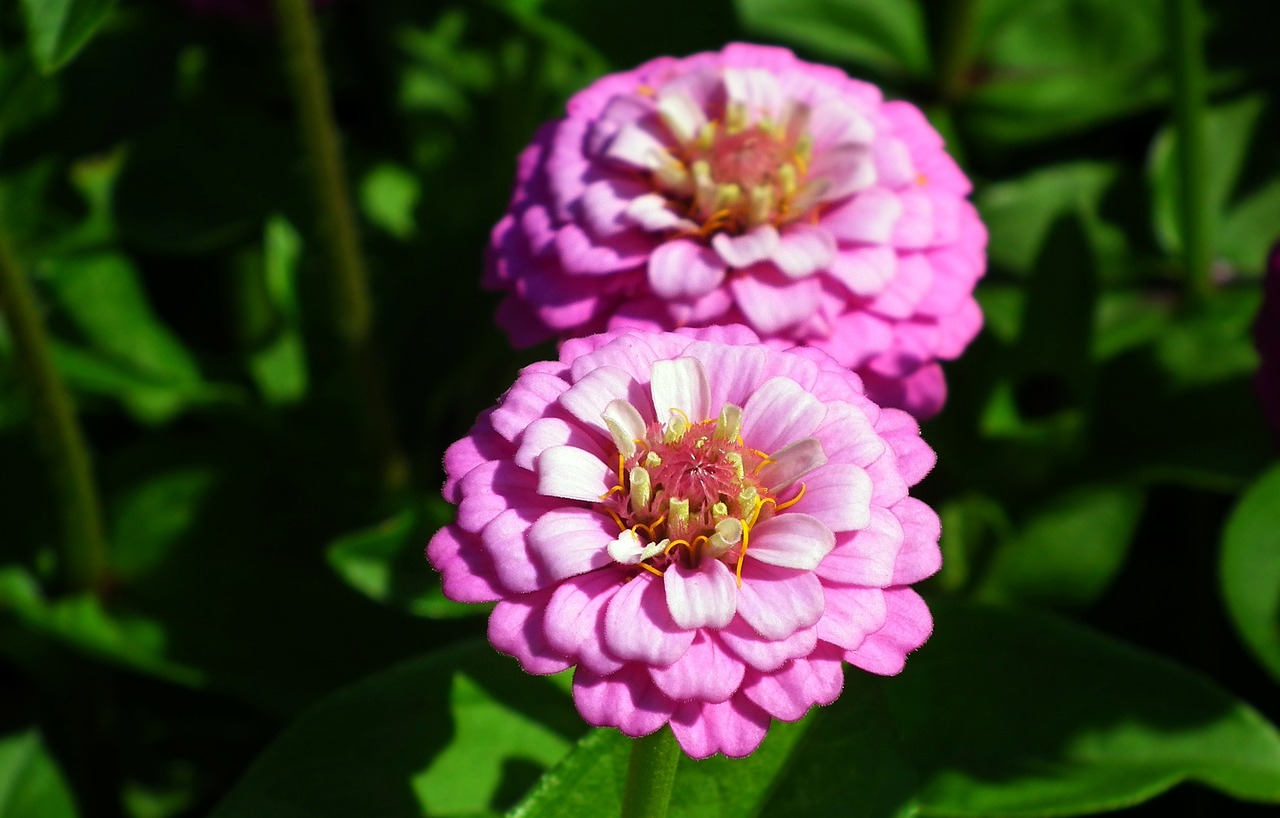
(955, 49)
(650, 775)
(351, 311)
(84, 554)
(1187, 57)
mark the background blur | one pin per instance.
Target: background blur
(155, 195)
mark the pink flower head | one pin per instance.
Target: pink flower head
(1266, 335)
(706, 526)
(747, 186)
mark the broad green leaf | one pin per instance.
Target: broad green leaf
(1001, 713)
(1214, 344)
(151, 518)
(57, 29)
(30, 784)
(1019, 212)
(1009, 713)
(1069, 549)
(125, 350)
(1245, 209)
(1063, 65)
(82, 622)
(385, 564)
(389, 194)
(1250, 569)
(887, 36)
(278, 360)
(463, 732)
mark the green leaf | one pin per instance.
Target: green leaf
(1250, 569)
(1051, 67)
(385, 563)
(1244, 214)
(150, 520)
(57, 29)
(82, 622)
(462, 732)
(1069, 550)
(278, 361)
(1011, 713)
(30, 784)
(1002, 713)
(124, 349)
(887, 36)
(389, 194)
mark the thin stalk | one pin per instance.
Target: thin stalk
(955, 51)
(351, 310)
(650, 775)
(84, 549)
(1187, 58)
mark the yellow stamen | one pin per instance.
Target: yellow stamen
(646, 566)
(792, 501)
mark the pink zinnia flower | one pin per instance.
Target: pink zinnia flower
(706, 526)
(747, 186)
(1266, 335)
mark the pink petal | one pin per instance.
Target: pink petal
(706, 596)
(864, 271)
(762, 653)
(857, 337)
(526, 401)
(908, 286)
(777, 602)
(631, 353)
(544, 433)
(504, 540)
(517, 628)
(575, 618)
(868, 217)
(894, 168)
(755, 88)
(791, 540)
(902, 432)
(851, 614)
(491, 488)
(706, 673)
(605, 202)
(580, 254)
(639, 627)
(682, 115)
(628, 700)
(573, 474)
(866, 557)
(739, 371)
(906, 628)
(467, 572)
(572, 541)
(840, 496)
(792, 462)
(587, 399)
(789, 692)
(653, 212)
(481, 445)
(680, 385)
(621, 111)
(848, 435)
(915, 230)
(638, 145)
(735, 727)
(846, 169)
(920, 556)
(772, 307)
(758, 244)
(684, 269)
(835, 121)
(803, 250)
(780, 413)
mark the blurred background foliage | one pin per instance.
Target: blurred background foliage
(267, 640)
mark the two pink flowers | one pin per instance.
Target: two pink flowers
(709, 523)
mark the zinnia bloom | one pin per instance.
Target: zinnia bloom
(1266, 335)
(707, 527)
(747, 186)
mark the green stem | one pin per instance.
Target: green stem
(650, 775)
(1187, 57)
(84, 555)
(350, 303)
(955, 49)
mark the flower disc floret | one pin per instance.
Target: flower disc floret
(746, 186)
(708, 528)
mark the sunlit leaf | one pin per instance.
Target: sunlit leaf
(459, 733)
(278, 361)
(57, 29)
(30, 784)
(1250, 569)
(887, 36)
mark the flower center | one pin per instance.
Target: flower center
(733, 175)
(689, 492)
